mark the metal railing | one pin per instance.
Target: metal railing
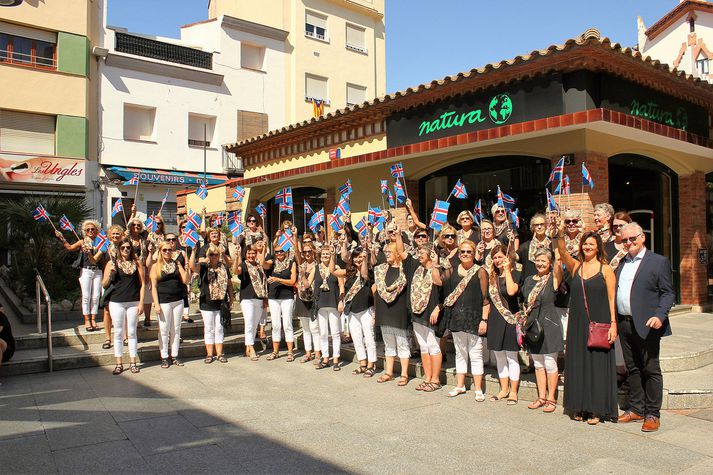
(163, 51)
(41, 290)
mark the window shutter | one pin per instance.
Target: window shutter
(27, 133)
(356, 36)
(316, 87)
(25, 32)
(355, 94)
(316, 20)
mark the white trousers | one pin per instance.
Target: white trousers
(281, 312)
(426, 338)
(169, 327)
(124, 313)
(468, 347)
(310, 333)
(362, 333)
(548, 362)
(263, 315)
(329, 327)
(90, 281)
(212, 329)
(508, 365)
(395, 342)
(252, 313)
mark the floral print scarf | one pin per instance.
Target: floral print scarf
(217, 282)
(388, 293)
(421, 287)
(257, 279)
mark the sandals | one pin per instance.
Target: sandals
(133, 368)
(403, 381)
(176, 362)
(306, 359)
(370, 372)
(578, 417)
(385, 378)
(359, 370)
(479, 396)
(593, 421)
(273, 356)
(497, 397)
(290, 357)
(208, 360)
(118, 369)
(164, 363)
(93, 324)
(222, 359)
(512, 402)
(456, 392)
(421, 386)
(253, 355)
(538, 403)
(430, 387)
(107, 344)
(550, 406)
(322, 364)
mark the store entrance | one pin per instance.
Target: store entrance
(649, 190)
(315, 198)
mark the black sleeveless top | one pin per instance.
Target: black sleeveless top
(169, 287)
(279, 291)
(364, 298)
(467, 312)
(325, 298)
(127, 287)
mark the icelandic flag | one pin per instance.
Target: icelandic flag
(284, 243)
(239, 193)
(478, 212)
(287, 207)
(234, 224)
(191, 237)
(194, 220)
(376, 215)
(514, 217)
(235, 216)
(380, 225)
(202, 192)
(558, 188)
(118, 208)
(342, 207)
(346, 188)
(308, 209)
(152, 225)
(316, 219)
(565, 188)
(218, 220)
(284, 196)
(505, 201)
(40, 214)
(134, 181)
(399, 190)
(440, 215)
(165, 196)
(335, 223)
(391, 200)
(384, 187)
(261, 210)
(101, 242)
(362, 228)
(65, 224)
(397, 170)
(587, 177)
(459, 191)
(551, 203)
(557, 171)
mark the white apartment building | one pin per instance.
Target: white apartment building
(167, 105)
(683, 38)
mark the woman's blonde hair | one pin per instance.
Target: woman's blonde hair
(88, 222)
(392, 247)
(156, 269)
(463, 214)
(142, 228)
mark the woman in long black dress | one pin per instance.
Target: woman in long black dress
(503, 290)
(538, 292)
(590, 385)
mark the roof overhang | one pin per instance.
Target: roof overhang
(163, 68)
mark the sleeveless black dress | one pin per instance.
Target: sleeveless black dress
(502, 336)
(590, 382)
(546, 314)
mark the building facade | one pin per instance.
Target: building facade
(683, 38)
(506, 125)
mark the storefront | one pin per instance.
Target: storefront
(642, 131)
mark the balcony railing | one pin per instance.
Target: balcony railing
(29, 60)
(160, 50)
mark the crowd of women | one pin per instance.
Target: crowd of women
(475, 284)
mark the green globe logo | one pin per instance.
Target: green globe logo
(500, 108)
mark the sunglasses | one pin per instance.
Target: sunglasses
(466, 252)
(212, 254)
(500, 211)
(166, 250)
(630, 240)
(537, 225)
(449, 236)
(421, 236)
(125, 248)
(486, 230)
(252, 220)
(571, 221)
(307, 252)
(90, 229)
(135, 225)
(171, 239)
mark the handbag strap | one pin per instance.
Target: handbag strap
(584, 292)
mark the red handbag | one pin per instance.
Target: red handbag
(598, 338)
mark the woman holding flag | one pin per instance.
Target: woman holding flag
(540, 240)
(466, 232)
(328, 293)
(305, 300)
(281, 272)
(501, 225)
(253, 292)
(90, 276)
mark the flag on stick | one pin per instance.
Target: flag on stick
(239, 193)
(202, 191)
(459, 191)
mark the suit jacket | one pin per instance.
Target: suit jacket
(652, 294)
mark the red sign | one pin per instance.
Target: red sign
(335, 153)
(41, 170)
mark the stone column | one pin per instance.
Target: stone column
(693, 275)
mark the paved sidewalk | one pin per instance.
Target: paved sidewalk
(279, 417)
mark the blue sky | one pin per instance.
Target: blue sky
(426, 43)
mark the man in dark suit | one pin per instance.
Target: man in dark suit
(644, 296)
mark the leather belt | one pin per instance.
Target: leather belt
(91, 267)
(624, 317)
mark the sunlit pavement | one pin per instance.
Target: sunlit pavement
(279, 417)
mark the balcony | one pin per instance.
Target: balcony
(159, 50)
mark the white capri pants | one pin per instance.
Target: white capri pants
(395, 342)
(252, 312)
(169, 327)
(468, 346)
(508, 365)
(329, 327)
(263, 315)
(564, 318)
(124, 313)
(548, 362)
(90, 281)
(426, 338)
(362, 332)
(310, 333)
(212, 329)
(281, 311)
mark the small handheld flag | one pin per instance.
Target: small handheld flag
(361, 227)
(439, 217)
(40, 214)
(101, 242)
(284, 196)
(551, 203)
(384, 187)
(218, 220)
(307, 208)
(587, 177)
(342, 207)
(565, 189)
(65, 224)
(505, 201)
(514, 217)
(118, 208)
(557, 171)
(191, 238)
(165, 197)
(152, 225)
(284, 243)
(391, 200)
(194, 220)
(399, 190)
(286, 207)
(459, 191)
(346, 188)
(397, 170)
(335, 222)
(261, 210)
(239, 193)
(235, 227)
(134, 181)
(478, 212)
(202, 192)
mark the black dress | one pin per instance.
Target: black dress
(590, 385)
(502, 336)
(467, 312)
(548, 317)
(394, 314)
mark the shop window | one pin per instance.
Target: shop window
(355, 94)
(139, 122)
(703, 65)
(316, 87)
(356, 38)
(27, 133)
(168, 213)
(200, 130)
(316, 26)
(251, 56)
(27, 47)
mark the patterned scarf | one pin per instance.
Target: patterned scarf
(354, 289)
(281, 265)
(495, 297)
(257, 279)
(605, 233)
(389, 293)
(168, 267)
(306, 294)
(421, 287)
(572, 244)
(460, 288)
(500, 229)
(534, 294)
(127, 267)
(324, 274)
(460, 235)
(614, 263)
(217, 282)
(536, 245)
